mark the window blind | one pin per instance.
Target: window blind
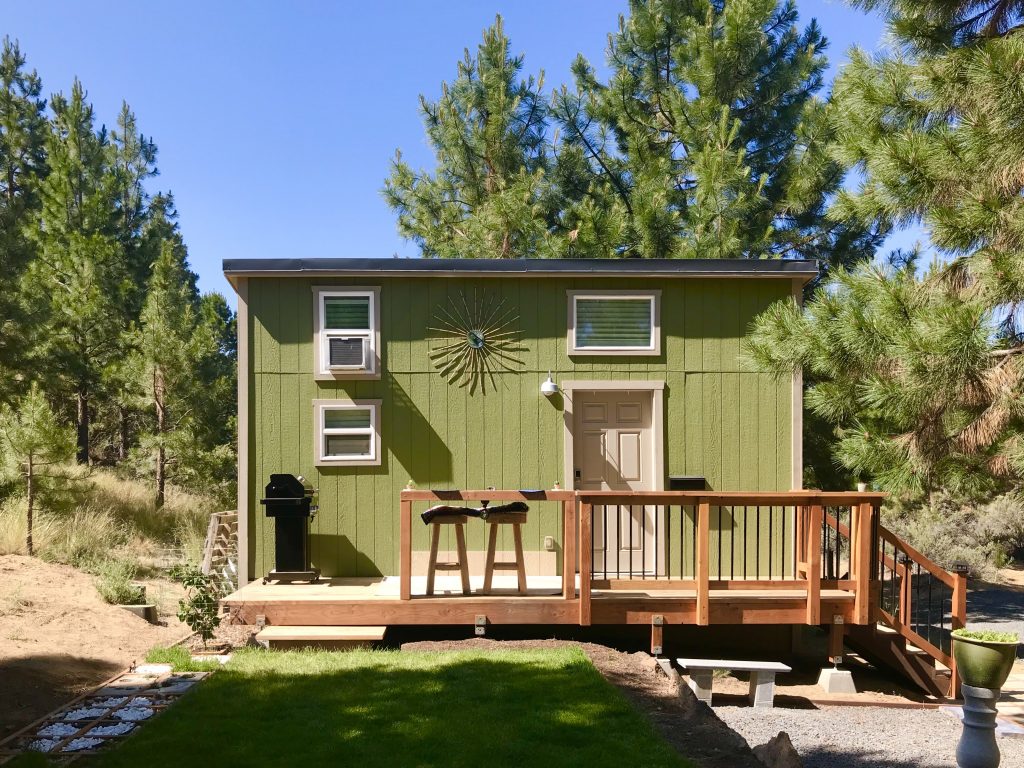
(613, 323)
(347, 312)
(347, 418)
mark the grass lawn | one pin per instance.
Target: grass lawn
(388, 708)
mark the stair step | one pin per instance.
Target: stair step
(915, 651)
(280, 636)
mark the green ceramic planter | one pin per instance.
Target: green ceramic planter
(983, 663)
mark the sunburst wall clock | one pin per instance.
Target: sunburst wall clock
(473, 340)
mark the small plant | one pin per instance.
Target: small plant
(199, 608)
(986, 635)
(114, 582)
(180, 659)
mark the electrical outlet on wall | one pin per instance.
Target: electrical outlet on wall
(549, 543)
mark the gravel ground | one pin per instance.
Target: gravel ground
(864, 737)
(999, 608)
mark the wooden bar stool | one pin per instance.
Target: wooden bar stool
(516, 520)
(462, 564)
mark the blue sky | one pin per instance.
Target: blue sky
(276, 121)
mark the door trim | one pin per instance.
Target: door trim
(657, 390)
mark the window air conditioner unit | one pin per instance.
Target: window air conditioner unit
(347, 352)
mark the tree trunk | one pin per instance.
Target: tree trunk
(122, 448)
(161, 427)
(82, 424)
(30, 492)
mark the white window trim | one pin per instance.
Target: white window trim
(321, 335)
(655, 347)
(319, 432)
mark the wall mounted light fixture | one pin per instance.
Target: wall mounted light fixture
(549, 388)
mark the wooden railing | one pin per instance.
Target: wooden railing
(699, 541)
(920, 600)
(706, 541)
(696, 541)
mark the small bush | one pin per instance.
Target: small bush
(181, 659)
(114, 582)
(986, 635)
(199, 609)
(984, 537)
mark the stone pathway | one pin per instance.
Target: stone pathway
(90, 722)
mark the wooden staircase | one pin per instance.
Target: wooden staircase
(916, 607)
(884, 647)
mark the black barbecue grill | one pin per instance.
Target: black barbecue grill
(290, 500)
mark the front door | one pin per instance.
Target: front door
(613, 444)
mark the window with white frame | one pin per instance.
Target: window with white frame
(347, 332)
(347, 432)
(615, 322)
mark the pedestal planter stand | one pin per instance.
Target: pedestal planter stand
(983, 661)
(977, 747)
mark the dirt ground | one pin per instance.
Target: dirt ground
(58, 638)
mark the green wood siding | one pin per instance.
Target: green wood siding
(723, 420)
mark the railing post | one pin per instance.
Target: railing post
(586, 552)
(958, 621)
(865, 526)
(801, 541)
(405, 550)
(905, 613)
(703, 563)
(569, 548)
(814, 565)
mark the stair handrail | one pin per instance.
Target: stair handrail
(903, 618)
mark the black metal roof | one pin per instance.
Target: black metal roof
(792, 268)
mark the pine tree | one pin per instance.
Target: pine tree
(905, 370)
(167, 351)
(79, 280)
(132, 161)
(32, 443)
(922, 376)
(708, 139)
(185, 375)
(488, 197)
(22, 167)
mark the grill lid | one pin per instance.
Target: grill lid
(285, 486)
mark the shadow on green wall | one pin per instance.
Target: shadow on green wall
(413, 441)
(337, 554)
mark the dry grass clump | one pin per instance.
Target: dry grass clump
(106, 524)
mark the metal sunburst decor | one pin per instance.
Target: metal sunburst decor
(473, 340)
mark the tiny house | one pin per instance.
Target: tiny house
(653, 473)
(368, 376)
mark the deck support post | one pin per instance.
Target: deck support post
(657, 634)
(814, 565)
(405, 550)
(703, 562)
(836, 633)
(586, 554)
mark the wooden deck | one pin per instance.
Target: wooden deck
(832, 565)
(375, 601)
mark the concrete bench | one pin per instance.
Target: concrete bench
(762, 678)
